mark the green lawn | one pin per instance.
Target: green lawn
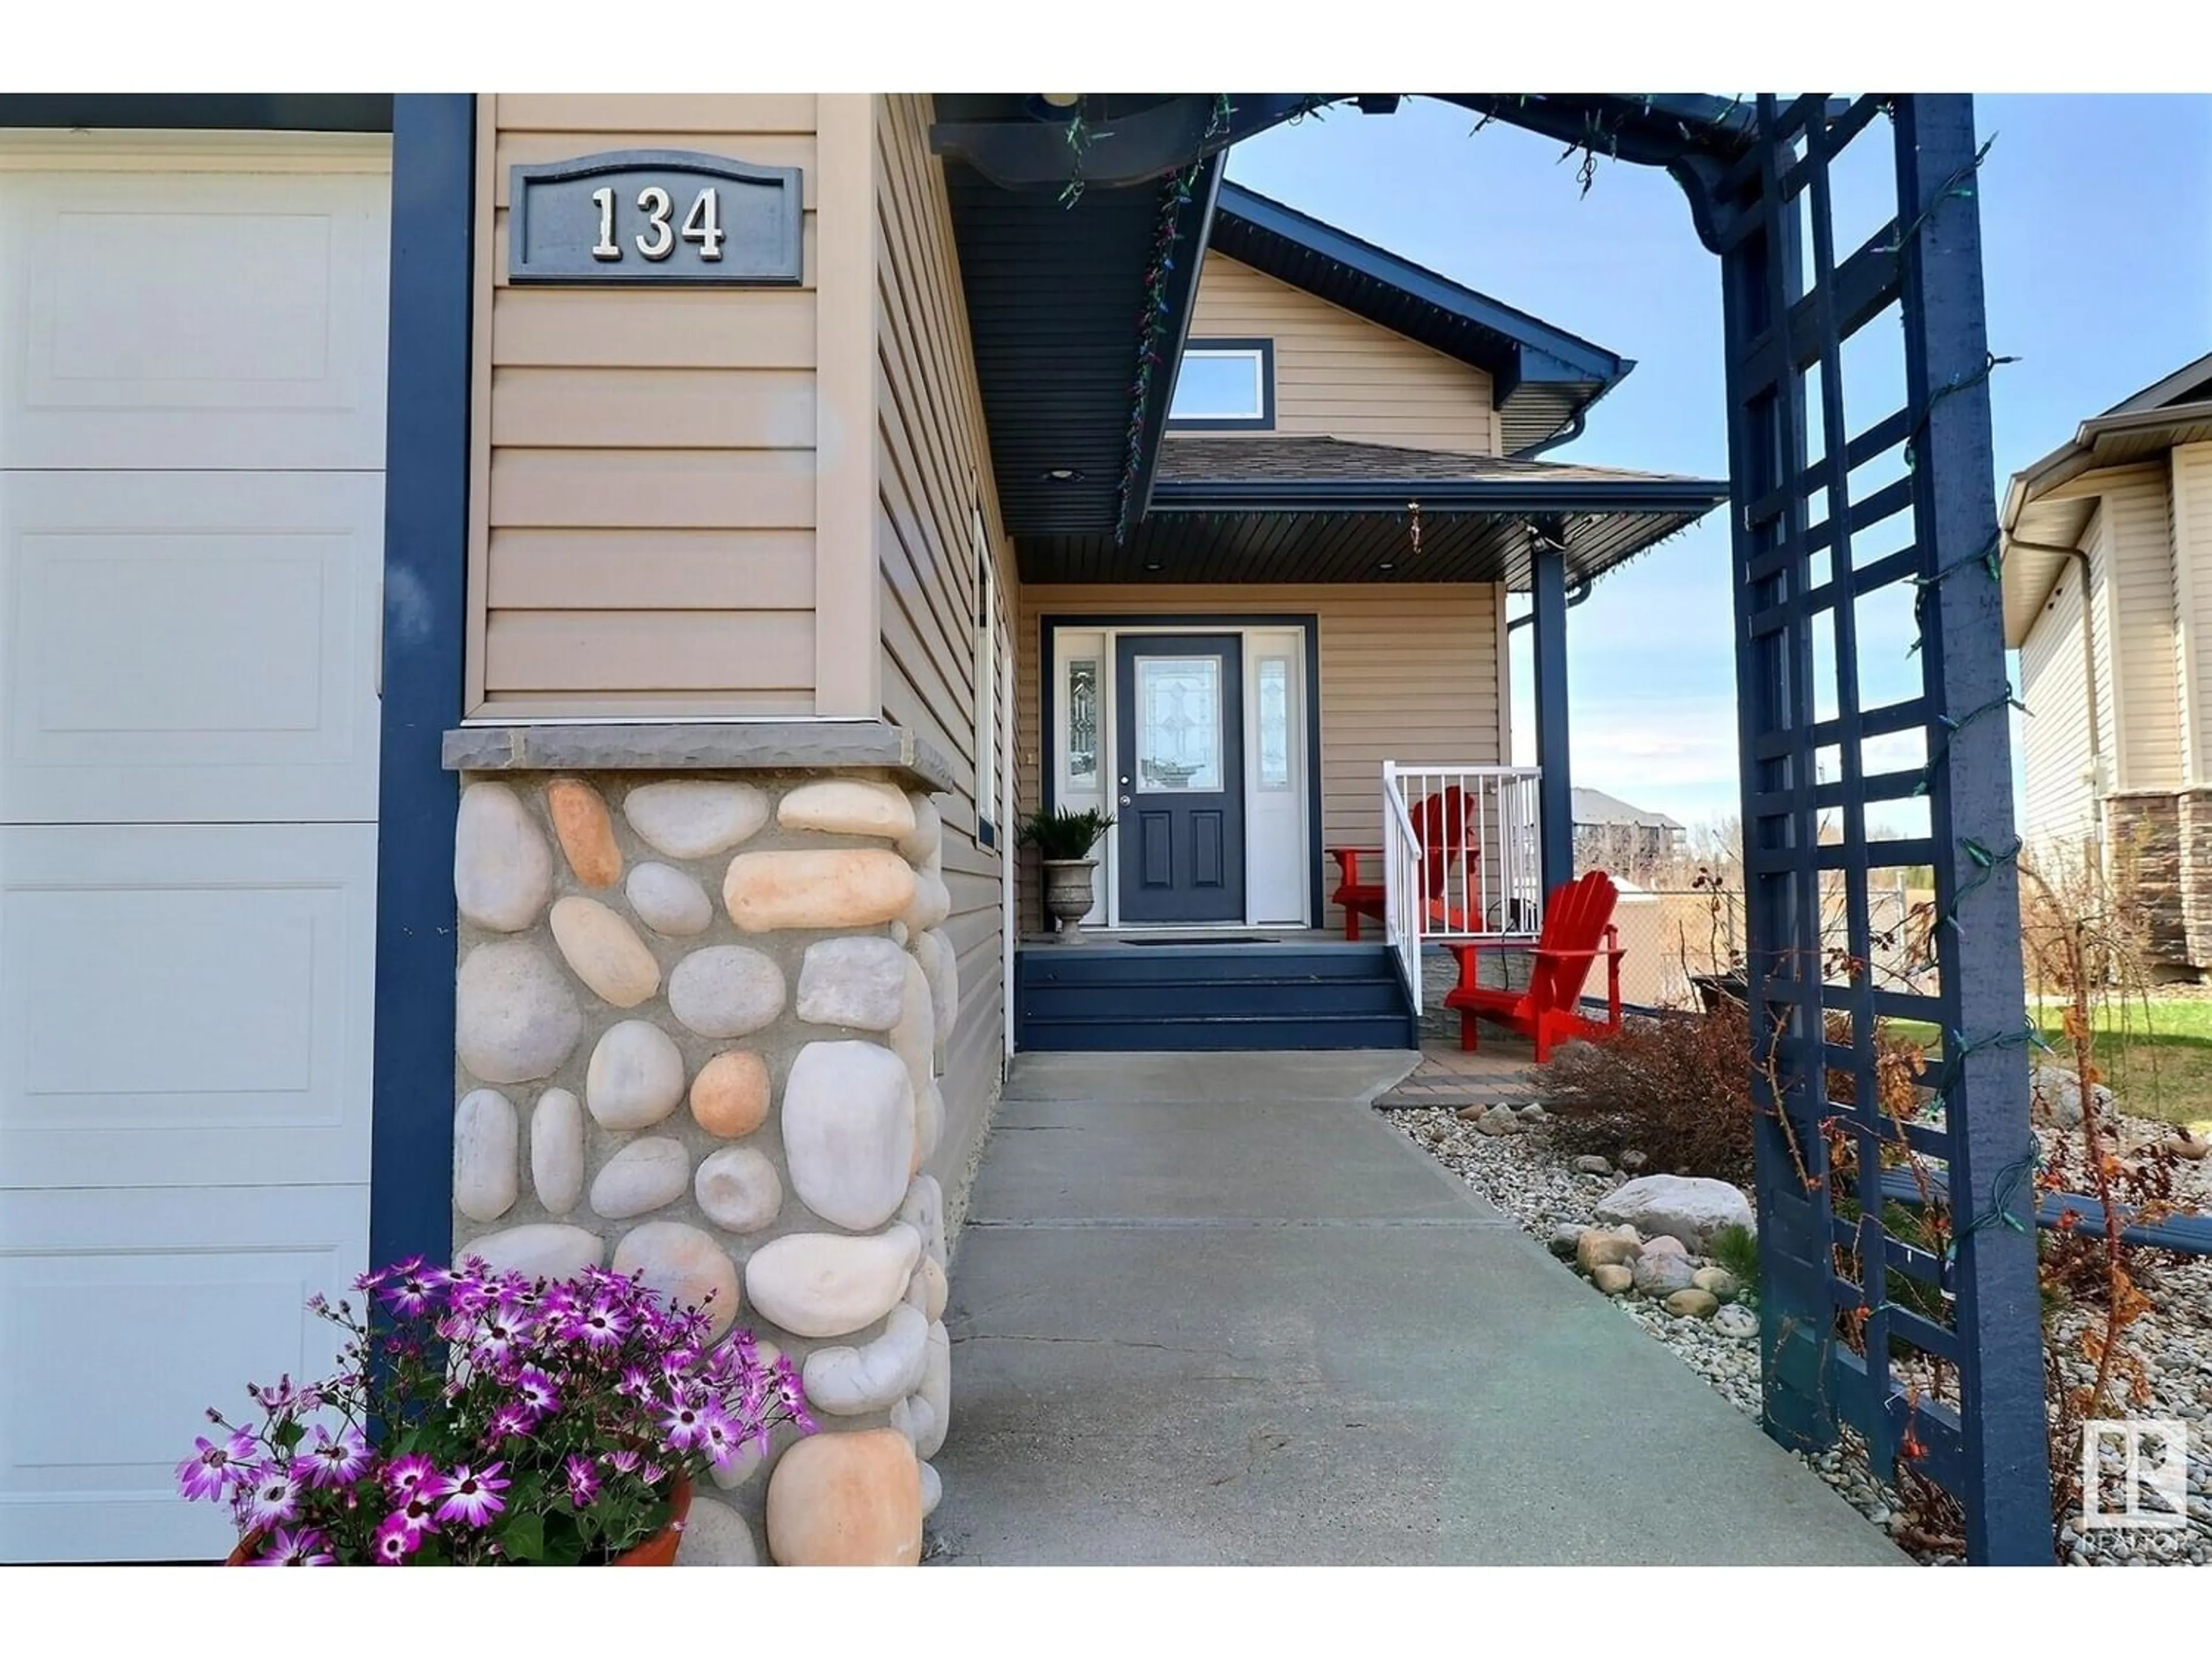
(2157, 1058)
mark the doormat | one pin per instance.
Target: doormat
(1203, 939)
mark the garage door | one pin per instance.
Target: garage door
(191, 453)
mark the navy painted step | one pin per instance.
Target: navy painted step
(1105, 996)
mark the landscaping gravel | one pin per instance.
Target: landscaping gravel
(1511, 1161)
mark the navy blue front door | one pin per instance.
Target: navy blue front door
(1179, 773)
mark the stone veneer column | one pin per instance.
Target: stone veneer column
(699, 1024)
(2145, 860)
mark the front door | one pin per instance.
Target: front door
(1180, 769)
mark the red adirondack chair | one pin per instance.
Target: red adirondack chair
(1446, 833)
(1577, 930)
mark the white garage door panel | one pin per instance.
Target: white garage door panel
(186, 1003)
(189, 647)
(121, 1319)
(175, 319)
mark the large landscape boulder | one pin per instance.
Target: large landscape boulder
(1691, 1208)
(2054, 1098)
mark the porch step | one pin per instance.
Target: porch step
(1107, 997)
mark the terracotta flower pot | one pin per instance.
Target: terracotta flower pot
(658, 1550)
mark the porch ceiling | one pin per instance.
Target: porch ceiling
(1251, 508)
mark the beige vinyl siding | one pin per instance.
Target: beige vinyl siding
(644, 508)
(2138, 543)
(2192, 566)
(2054, 687)
(1407, 673)
(1340, 376)
(933, 469)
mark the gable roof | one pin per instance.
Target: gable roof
(2041, 518)
(1594, 807)
(1543, 376)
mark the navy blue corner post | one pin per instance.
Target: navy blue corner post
(426, 518)
(1555, 789)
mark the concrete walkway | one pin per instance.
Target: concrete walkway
(1213, 1309)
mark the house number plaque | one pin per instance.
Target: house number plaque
(653, 216)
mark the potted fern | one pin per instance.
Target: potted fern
(1064, 840)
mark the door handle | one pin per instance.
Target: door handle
(1124, 800)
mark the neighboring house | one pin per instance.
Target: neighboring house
(367, 596)
(2108, 600)
(1611, 835)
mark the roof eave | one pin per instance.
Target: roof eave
(1527, 496)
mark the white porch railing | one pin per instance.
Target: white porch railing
(1459, 858)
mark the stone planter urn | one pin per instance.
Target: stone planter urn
(1067, 894)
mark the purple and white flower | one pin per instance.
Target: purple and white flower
(471, 1497)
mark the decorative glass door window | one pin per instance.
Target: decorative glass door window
(1083, 723)
(1274, 722)
(1179, 724)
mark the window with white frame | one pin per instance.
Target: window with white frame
(1225, 386)
(987, 685)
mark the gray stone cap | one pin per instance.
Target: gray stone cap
(789, 745)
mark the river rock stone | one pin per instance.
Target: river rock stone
(926, 840)
(1613, 1279)
(737, 1189)
(643, 1175)
(1563, 1240)
(935, 1292)
(848, 806)
(666, 900)
(502, 868)
(1597, 1248)
(914, 1039)
(541, 1249)
(942, 968)
(930, 904)
(924, 1212)
(848, 1124)
(487, 1149)
(936, 1391)
(1692, 1208)
(1658, 1274)
(605, 952)
(556, 1151)
(821, 1285)
(1692, 1304)
(932, 1491)
(729, 1098)
(584, 831)
(514, 1017)
(1664, 1245)
(743, 1465)
(694, 817)
(1718, 1281)
(1591, 1163)
(913, 1418)
(725, 991)
(635, 1076)
(686, 1265)
(1737, 1321)
(873, 1376)
(846, 1500)
(847, 887)
(852, 981)
(928, 1123)
(716, 1535)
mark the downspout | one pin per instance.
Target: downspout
(2089, 697)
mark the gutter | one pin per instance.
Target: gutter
(1697, 497)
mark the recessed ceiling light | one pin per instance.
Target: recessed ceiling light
(1386, 565)
(1063, 474)
(1152, 567)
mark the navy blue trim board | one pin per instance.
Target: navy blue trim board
(426, 534)
(1306, 620)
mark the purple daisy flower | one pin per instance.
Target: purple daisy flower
(304, 1548)
(510, 1421)
(583, 1480)
(635, 1384)
(405, 1476)
(395, 1542)
(212, 1471)
(410, 1292)
(273, 1499)
(602, 1325)
(652, 1474)
(718, 1434)
(420, 1510)
(683, 1424)
(333, 1462)
(470, 1496)
(534, 1389)
(623, 1462)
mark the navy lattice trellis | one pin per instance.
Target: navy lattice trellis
(1848, 533)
